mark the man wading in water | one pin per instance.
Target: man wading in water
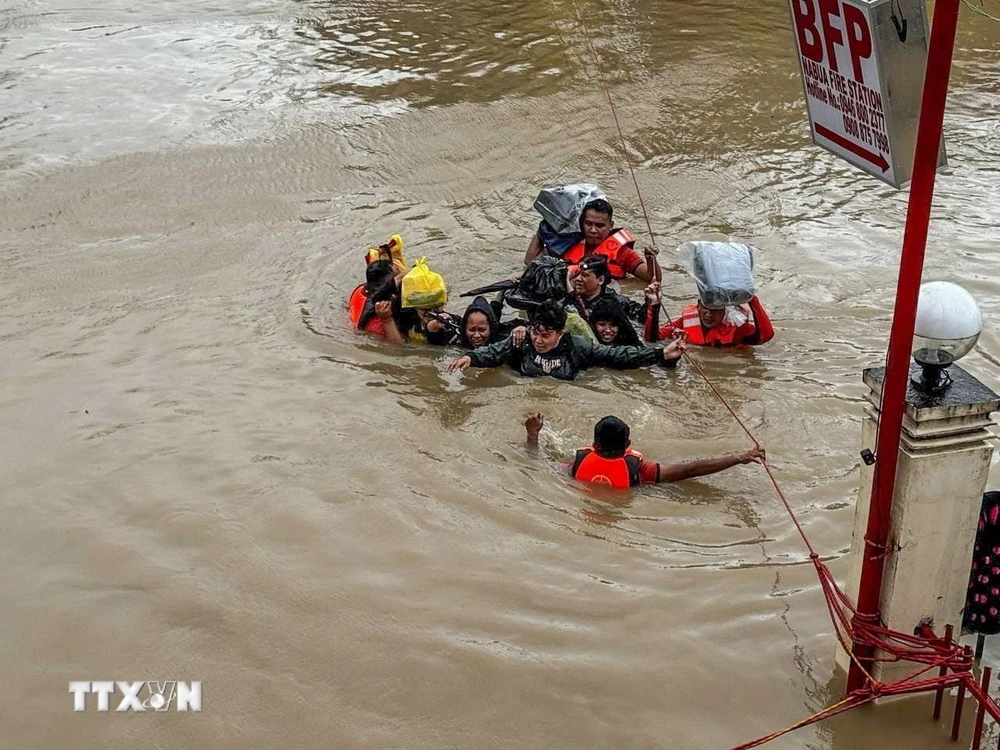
(611, 460)
(601, 238)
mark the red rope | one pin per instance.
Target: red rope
(849, 626)
(827, 713)
(618, 126)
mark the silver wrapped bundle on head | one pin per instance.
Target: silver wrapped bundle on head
(561, 206)
(722, 270)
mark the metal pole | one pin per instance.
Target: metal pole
(977, 733)
(984, 698)
(942, 45)
(939, 693)
(956, 723)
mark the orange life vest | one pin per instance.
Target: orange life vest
(359, 308)
(621, 472)
(609, 249)
(723, 334)
(362, 311)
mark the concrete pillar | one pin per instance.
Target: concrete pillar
(944, 459)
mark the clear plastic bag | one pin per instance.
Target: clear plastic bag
(735, 316)
(723, 272)
(561, 206)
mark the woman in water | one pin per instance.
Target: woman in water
(478, 326)
(481, 326)
(611, 325)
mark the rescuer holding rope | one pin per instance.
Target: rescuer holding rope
(610, 459)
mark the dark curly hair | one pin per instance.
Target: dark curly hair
(549, 314)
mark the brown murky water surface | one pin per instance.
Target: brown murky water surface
(206, 475)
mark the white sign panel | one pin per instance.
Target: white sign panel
(853, 55)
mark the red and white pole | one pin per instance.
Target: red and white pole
(929, 128)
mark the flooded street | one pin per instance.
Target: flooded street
(208, 475)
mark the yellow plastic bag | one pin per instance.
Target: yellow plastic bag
(391, 250)
(422, 288)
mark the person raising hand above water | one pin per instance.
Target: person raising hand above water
(610, 459)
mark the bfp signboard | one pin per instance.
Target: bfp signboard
(863, 67)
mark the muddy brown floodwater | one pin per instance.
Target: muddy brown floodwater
(206, 475)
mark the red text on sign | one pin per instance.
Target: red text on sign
(819, 38)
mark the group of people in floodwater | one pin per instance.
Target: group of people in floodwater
(577, 318)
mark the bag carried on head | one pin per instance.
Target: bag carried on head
(422, 288)
(560, 208)
(391, 251)
(723, 272)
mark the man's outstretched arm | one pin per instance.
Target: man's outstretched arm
(704, 466)
(491, 355)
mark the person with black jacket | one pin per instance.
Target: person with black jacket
(481, 326)
(591, 284)
(478, 326)
(550, 350)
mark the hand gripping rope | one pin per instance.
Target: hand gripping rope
(953, 662)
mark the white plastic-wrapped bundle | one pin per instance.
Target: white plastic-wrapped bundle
(722, 270)
(561, 206)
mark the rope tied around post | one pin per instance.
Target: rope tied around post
(877, 551)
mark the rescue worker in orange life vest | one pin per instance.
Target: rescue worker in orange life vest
(600, 237)
(611, 460)
(708, 326)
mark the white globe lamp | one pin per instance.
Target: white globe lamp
(947, 328)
